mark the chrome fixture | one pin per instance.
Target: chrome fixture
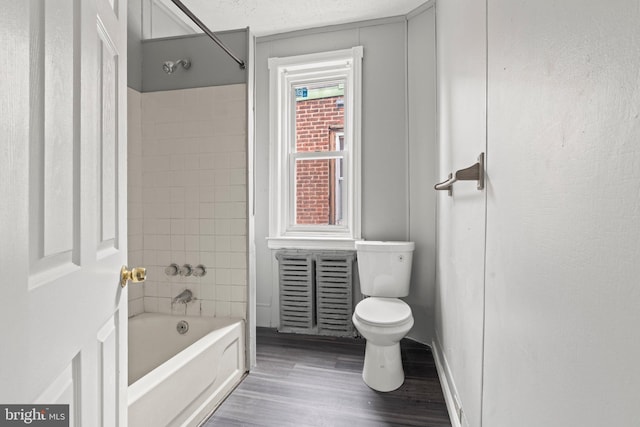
(172, 270)
(182, 327)
(208, 32)
(472, 173)
(183, 297)
(170, 66)
(199, 270)
(186, 270)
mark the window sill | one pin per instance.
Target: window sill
(322, 243)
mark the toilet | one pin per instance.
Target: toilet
(382, 318)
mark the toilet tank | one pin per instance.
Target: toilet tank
(384, 268)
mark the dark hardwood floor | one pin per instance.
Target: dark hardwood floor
(303, 380)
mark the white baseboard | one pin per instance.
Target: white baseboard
(447, 384)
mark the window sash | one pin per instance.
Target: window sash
(292, 225)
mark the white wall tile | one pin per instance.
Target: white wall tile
(177, 226)
(223, 309)
(192, 226)
(239, 277)
(208, 258)
(237, 244)
(207, 243)
(192, 194)
(164, 290)
(208, 308)
(207, 226)
(223, 276)
(136, 306)
(179, 309)
(207, 194)
(238, 309)
(194, 257)
(223, 243)
(136, 243)
(222, 177)
(164, 305)
(237, 260)
(194, 308)
(151, 304)
(189, 197)
(237, 193)
(238, 294)
(207, 210)
(191, 243)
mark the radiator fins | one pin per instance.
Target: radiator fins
(316, 292)
(334, 297)
(297, 308)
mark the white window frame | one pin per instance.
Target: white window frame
(286, 73)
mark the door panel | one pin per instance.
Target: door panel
(54, 139)
(63, 121)
(108, 57)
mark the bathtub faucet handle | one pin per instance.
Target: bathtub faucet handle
(186, 270)
(172, 270)
(199, 270)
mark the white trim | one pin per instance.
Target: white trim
(420, 9)
(446, 382)
(325, 243)
(252, 314)
(269, 37)
(284, 73)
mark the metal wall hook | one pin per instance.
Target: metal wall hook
(472, 173)
(446, 185)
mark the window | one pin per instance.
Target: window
(315, 103)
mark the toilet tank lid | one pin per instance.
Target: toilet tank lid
(383, 311)
(384, 246)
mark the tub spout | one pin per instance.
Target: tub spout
(183, 297)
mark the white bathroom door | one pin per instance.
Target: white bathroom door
(63, 207)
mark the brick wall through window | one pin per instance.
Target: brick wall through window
(317, 122)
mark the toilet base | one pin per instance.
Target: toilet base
(383, 367)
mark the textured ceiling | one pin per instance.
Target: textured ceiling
(276, 16)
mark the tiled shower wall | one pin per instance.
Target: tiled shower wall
(134, 196)
(192, 199)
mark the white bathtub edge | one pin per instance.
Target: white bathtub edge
(147, 382)
(144, 406)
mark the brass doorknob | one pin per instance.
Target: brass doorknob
(138, 274)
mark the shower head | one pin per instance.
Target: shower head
(170, 66)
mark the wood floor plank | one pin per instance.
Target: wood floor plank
(313, 381)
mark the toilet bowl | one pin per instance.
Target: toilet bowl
(382, 319)
(383, 322)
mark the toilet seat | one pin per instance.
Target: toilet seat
(382, 312)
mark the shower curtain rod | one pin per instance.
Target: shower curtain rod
(208, 32)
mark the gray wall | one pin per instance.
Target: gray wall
(210, 65)
(385, 147)
(134, 45)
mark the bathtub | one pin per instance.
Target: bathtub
(178, 379)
